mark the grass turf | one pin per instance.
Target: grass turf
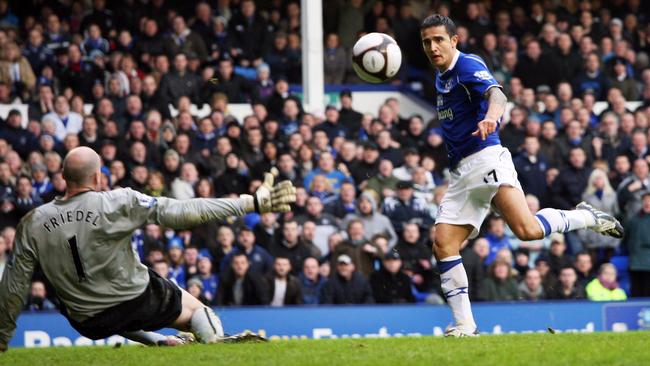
(521, 349)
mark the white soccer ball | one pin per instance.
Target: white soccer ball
(376, 57)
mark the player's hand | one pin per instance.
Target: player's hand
(272, 198)
(485, 128)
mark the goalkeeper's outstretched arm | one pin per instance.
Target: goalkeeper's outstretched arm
(187, 213)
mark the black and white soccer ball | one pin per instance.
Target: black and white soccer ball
(376, 57)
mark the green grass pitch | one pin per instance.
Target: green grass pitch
(631, 348)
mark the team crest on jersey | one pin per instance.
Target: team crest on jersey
(146, 201)
(482, 75)
(447, 85)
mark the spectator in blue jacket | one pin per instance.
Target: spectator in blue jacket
(95, 41)
(261, 262)
(496, 236)
(22, 141)
(7, 17)
(326, 167)
(406, 208)
(209, 280)
(206, 137)
(531, 168)
(345, 203)
(592, 79)
(36, 52)
(176, 269)
(311, 281)
(25, 198)
(40, 181)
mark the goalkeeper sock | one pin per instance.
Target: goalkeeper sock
(146, 338)
(455, 287)
(552, 220)
(206, 325)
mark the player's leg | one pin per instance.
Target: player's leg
(153, 338)
(511, 203)
(453, 278)
(199, 319)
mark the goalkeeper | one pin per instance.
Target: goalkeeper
(82, 243)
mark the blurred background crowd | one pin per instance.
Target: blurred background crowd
(369, 184)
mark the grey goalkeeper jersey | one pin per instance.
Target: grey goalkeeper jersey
(83, 245)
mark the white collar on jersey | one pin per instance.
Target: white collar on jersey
(453, 61)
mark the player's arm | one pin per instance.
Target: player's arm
(479, 82)
(187, 213)
(15, 284)
(496, 106)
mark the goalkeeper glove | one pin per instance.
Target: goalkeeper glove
(270, 198)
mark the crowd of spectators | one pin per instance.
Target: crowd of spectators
(368, 184)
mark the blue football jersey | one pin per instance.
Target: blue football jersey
(461, 105)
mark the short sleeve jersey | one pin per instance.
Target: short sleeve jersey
(461, 104)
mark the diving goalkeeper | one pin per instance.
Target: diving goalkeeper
(82, 243)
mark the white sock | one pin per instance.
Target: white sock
(455, 287)
(146, 338)
(560, 221)
(206, 325)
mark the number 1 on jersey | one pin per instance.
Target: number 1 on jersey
(77, 260)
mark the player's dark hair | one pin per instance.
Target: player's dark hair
(436, 20)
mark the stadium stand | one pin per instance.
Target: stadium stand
(197, 99)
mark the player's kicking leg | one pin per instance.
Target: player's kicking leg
(455, 285)
(511, 203)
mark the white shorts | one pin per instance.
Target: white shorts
(473, 184)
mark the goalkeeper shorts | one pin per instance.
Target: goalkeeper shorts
(157, 307)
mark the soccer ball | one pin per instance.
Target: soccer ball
(376, 57)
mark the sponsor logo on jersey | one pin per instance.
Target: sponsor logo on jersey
(446, 114)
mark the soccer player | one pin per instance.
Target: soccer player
(82, 243)
(470, 104)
